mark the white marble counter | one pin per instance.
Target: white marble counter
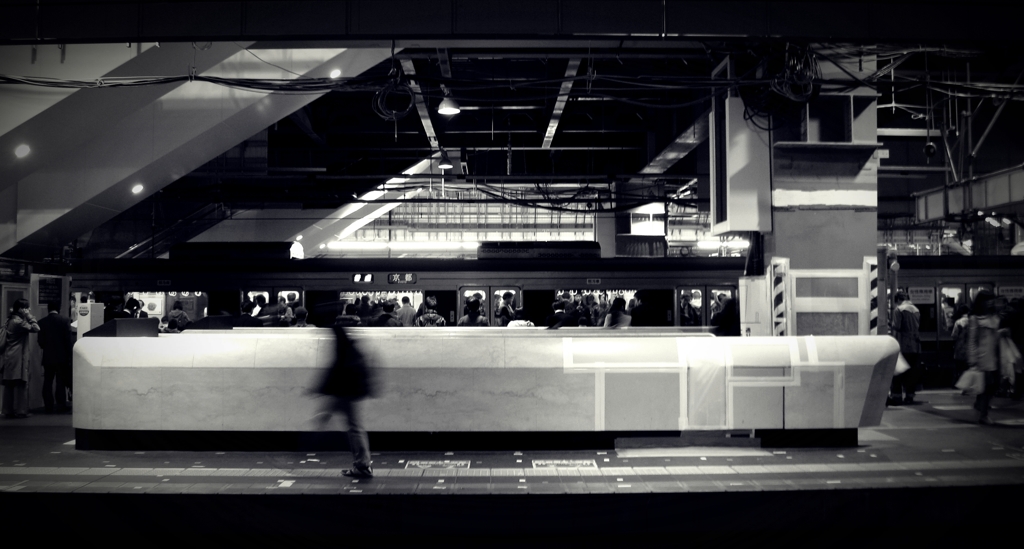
(486, 379)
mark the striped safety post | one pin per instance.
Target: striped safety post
(779, 298)
(873, 314)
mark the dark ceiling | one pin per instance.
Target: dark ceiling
(613, 110)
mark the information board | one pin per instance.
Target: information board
(49, 290)
(1010, 292)
(921, 296)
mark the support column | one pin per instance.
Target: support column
(824, 209)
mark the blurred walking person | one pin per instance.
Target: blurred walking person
(347, 382)
(983, 349)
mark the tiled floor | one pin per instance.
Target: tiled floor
(935, 443)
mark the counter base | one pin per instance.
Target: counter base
(252, 441)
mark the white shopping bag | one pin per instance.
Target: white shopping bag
(901, 365)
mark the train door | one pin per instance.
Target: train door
(490, 300)
(717, 295)
(692, 306)
(448, 304)
(500, 304)
(951, 298)
(705, 302)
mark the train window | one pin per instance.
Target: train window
(973, 289)
(691, 307)
(474, 293)
(292, 297)
(370, 305)
(716, 300)
(505, 310)
(596, 300)
(251, 296)
(951, 298)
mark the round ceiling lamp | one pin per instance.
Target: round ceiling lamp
(448, 107)
(21, 151)
(445, 163)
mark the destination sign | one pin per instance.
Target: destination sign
(402, 278)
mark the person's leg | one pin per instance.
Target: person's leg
(49, 373)
(911, 377)
(8, 405)
(357, 439)
(896, 390)
(985, 399)
(21, 399)
(63, 372)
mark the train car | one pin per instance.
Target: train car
(323, 286)
(940, 286)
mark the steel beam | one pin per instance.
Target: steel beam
(563, 96)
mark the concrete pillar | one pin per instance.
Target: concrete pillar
(824, 210)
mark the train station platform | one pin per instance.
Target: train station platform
(929, 472)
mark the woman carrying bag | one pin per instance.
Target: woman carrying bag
(983, 350)
(14, 359)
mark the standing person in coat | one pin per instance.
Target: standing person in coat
(347, 382)
(14, 359)
(905, 328)
(906, 322)
(983, 349)
(56, 341)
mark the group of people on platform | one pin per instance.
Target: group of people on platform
(56, 338)
(988, 337)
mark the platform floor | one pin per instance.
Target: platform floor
(929, 457)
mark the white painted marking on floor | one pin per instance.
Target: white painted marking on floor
(70, 443)
(286, 483)
(954, 407)
(625, 486)
(355, 491)
(1010, 422)
(695, 451)
(871, 435)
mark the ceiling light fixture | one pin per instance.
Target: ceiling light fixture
(445, 163)
(448, 105)
(137, 188)
(21, 151)
(715, 244)
(335, 73)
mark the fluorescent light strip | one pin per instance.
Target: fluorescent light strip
(716, 244)
(409, 246)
